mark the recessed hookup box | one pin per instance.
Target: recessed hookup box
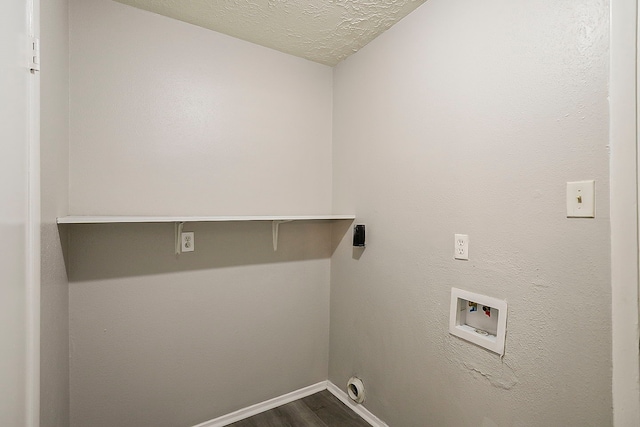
(479, 319)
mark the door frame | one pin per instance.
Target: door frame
(623, 139)
(33, 232)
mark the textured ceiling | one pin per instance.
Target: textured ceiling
(325, 31)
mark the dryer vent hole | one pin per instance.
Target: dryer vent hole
(354, 390)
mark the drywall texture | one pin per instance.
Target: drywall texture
(54, 150)
(470, 117)
(324, 32)
(169, 118)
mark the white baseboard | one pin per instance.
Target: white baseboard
(357, 408)
(258, 408)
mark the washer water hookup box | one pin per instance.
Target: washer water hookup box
(479, 319)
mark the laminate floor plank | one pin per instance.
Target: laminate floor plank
(265, 419)
(247, 422)
(298, 414)
(318, 410)
(332, 411)
(293, 414)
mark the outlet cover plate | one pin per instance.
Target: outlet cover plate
(188, 241)
(461, 246)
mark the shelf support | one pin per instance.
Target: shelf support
(178, 226)
(275, 226)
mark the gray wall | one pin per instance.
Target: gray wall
(169, 118)
(470, 117)
(54, 140)
(463, 118)
(158, 340)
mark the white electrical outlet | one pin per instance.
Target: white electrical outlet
(188, 241)
(461, 246)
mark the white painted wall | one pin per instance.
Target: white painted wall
(54, 325)
(470, 117)
(168, 118)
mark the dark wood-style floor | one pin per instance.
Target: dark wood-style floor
(322, 409)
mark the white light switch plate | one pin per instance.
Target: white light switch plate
(581, 199)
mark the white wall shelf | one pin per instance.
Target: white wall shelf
(143, 219)
(180, 220)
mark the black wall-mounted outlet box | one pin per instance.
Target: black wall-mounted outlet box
(359, 235)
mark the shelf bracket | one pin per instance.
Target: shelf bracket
(178, 226)
(275, 226)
